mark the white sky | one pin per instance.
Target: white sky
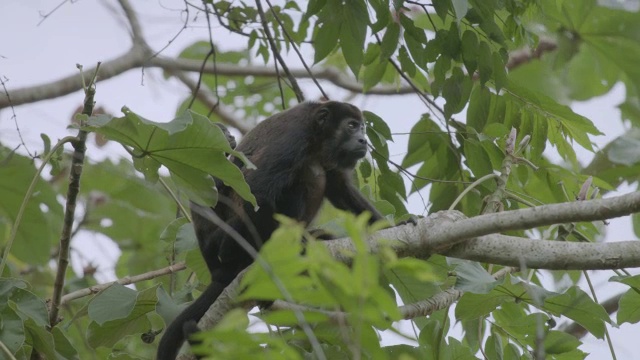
(89, 31)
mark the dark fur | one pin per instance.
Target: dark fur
(302, 155)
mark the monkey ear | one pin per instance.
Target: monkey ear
(322, 116)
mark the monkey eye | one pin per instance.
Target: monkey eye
(353, 125)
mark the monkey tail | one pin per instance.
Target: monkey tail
(174, 335)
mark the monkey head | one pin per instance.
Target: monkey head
(343, 140)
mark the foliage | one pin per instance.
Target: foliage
(454, 51)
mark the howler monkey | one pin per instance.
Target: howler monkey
(302, 155)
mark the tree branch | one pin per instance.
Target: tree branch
(445, 228)
(77, 165)
(274, 48)
(123, 281)
(137, 56)
(132, 18)
(438, 234)
(207, 97)
(132, 59)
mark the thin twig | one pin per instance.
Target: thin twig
(274, 47)
(134, 23)
(295, 48)
(127, 280)
(6, 351)
(45, 16)
(208, 99)
(3, 82)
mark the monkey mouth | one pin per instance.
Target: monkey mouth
(359, 153)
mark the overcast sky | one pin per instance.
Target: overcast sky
(87, 31)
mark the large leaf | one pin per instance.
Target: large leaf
(611, 34)
(42, 218)
(136, 320)
(190, 146)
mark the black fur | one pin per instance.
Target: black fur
(302, 155)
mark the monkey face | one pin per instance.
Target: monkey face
(352, 143)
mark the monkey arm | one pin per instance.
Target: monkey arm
(344, 195)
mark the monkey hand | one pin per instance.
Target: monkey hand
(413, 220)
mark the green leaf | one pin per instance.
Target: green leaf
(41, 339)
(136, 322)
(471, 277)
(558, 342)
(129, 210)
(456, 350)
(12, 331)
(479, 107)
(412, 30)
(574, 126)
(383, 15)
(473, 306)
(170, 233)
(625, 150)
(539, 138)
(373, 74)
(422, 141)
(30, 305)
(469, 49)
(378, 125)
(390, 40)
(452, 44)
(440, 69)
(39, 229)
(282, 255)
(195, 262)
(485, 62)
(371, 54)
(313, 7)
(629, 307)
(355, 20)
(435, 47)
(190, 146)
(499, 72)
(365, 169)
(442, 7)
(456, 90)
(416, 50)
(512, 318)
(392, 189)
(63, 345)
(477, 158)
(460, 7)
(115, 302)
(629, 310)
(493, 347)
(578, 306)
(325, 37)
(408, 66)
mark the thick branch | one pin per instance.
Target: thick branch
(550, 255)
(438, 233)
(438, 230)
(132, 59)
(139, 55)
(330, 74)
